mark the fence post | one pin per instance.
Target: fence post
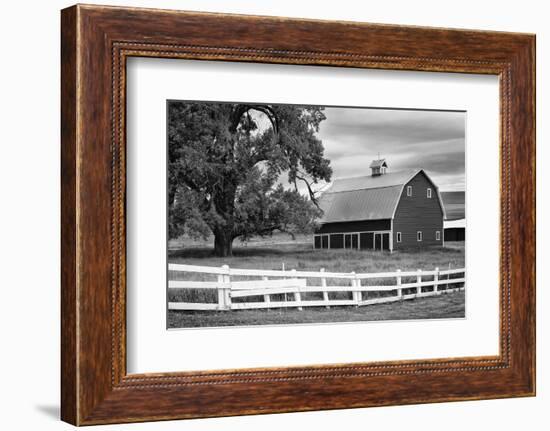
(297, 295)
(325, 293)
(398, 283)
(267, 299)
(227, 289)
(448, 278)
(356, 295)
(436, 280)
(285, 295)
(419, 282)
(221, 294)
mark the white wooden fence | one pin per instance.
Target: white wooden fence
(293, 284)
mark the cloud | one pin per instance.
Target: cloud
(407, 139)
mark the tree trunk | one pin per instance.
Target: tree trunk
(223, 243)
(224, 204)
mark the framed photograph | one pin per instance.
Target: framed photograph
(301, 200)
(266, 215)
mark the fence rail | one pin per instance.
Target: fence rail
(294, 284)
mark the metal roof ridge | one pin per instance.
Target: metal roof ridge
(410, 173)
(363, 188)
(403, 171)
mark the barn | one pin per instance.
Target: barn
(455, 230)
(381, 211)
(454, 225)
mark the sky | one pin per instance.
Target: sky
(407, 139)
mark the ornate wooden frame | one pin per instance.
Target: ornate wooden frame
(95, 42)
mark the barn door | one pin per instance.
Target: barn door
(366, 242)
(351, 240)
(381, 241)
(347, 241)
(385, 241)
(378, 241)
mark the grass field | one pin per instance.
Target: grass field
(444, 306)
(280, 252)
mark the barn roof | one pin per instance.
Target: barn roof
(454, 203)
(372, 182)
(363, 204)
(448, 224)
(364, 198)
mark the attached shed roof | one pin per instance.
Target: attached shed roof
(458, 223)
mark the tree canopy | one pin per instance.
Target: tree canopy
(226, 162)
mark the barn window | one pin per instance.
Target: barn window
(409, 190)
(437, 235)
(419, 236)
(398, 236)
(429, 192)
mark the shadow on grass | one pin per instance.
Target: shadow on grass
(445, 306)
(202, 253)
(254, 251)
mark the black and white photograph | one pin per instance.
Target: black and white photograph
(274, 215)
(283, 214)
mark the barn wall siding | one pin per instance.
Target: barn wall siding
(355, 226)
(418, 213)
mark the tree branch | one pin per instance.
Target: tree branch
(240, 110)
(268, 111)
(310, 190)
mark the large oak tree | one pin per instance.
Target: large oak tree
(225, 165)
